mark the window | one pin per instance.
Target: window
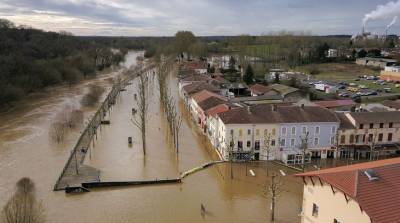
(232, 131)
(248, 131)
(317, 130)
(390, 137)
(351, 138)
(240, 145)
(292, 142)
(316, 141)
(273, 142)
(248, 143)
(293, 130)
(333, 129)
(371, 125)
(240, 132)
(381, 125)
(332, 140)
(257, 132)
(314, 210)
(273, 132)
(370, 137)
(380, 137)
(257, 145)
(361, 126)
(336, 221)
(342, 139)
(283, 130)
(304, 130)
(391, 125)
(265, 132)
(283, 142)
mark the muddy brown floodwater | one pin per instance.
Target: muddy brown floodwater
(26, 150)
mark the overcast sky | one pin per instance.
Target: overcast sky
(203, 17)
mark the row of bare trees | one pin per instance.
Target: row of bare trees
(68, 118)
(168, 103)
(140, 114)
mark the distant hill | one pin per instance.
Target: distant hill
(32, 59)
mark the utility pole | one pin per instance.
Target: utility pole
(232, 144)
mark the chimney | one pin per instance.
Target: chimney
(274, 107)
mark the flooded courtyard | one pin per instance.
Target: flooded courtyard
(26, 150)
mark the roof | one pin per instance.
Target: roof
(196, 77)
(192, 65)
(335, 103)
(217, 109)
(283, 89)
(199, 86)
(344, 121)
(211, 102)
(203, 95)
(221, 79)
(392, 104)
(379, 198)
(235, 86)
(257, 98)
(376, 117)
(266, 113)
(259, 89)
(379, 59)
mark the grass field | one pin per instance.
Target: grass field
(346, 72)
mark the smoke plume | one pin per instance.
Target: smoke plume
(386, 11)
(391, 23)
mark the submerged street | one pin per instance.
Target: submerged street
(26, 150)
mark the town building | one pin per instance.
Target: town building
(391, 73)
(362, 193)
(337, 105)
(375, 62)
(332, 53)
(288, 128)
(362, 134)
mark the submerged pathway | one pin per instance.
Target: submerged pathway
(84, 187)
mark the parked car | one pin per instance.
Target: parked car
(341, 87)
(344, 95)
(357, 79)
(352, 84)
(352, 89)
(387, 89)
(361, 86)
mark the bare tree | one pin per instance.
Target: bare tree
(139, 119)
(231, 146)
(274, 190)
(23, 206)
(372, 145)
(57, 132)
(304, 148)
(267, 147)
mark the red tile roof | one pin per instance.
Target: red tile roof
(203, 95)
(379, 198)
(335, 103)
(199, 86)
(195, 65)
(217, 109)
(259, 89)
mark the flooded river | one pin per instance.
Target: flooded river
(26, 150)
